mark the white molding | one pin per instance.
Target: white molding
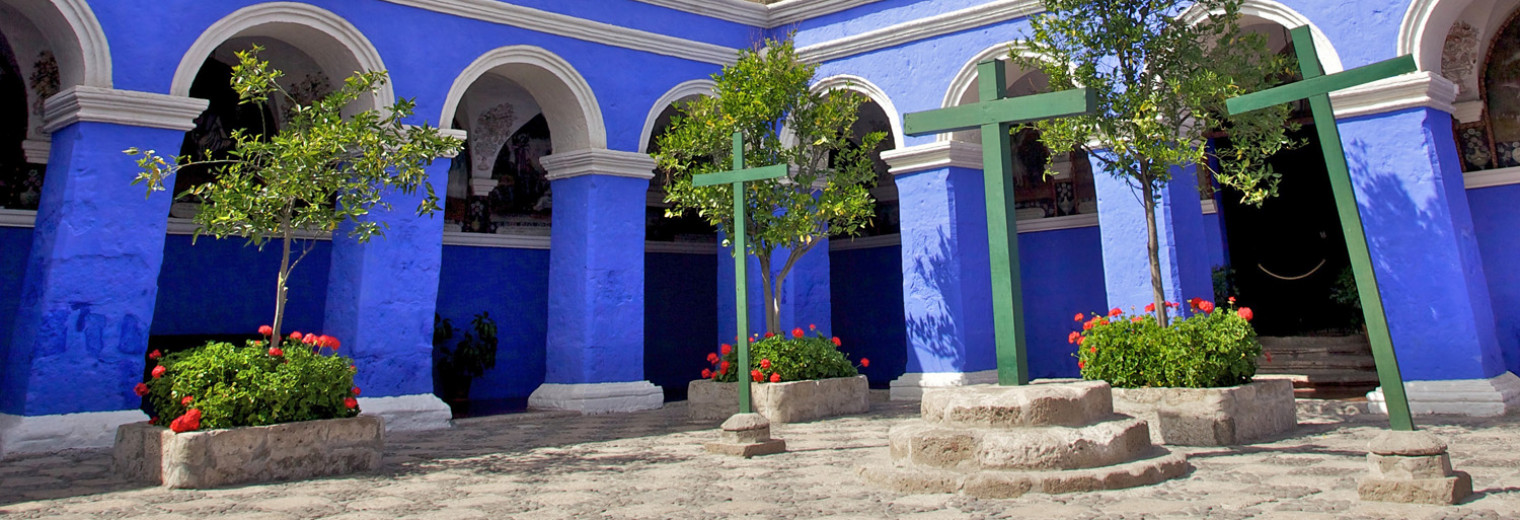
(591, 161)
(990, 13)
(737, 11)
(1417, 89)
(1467, 111)
(854, 243)
(568, 102)
(1427, 22)
(406, 413)
(456, 133)
(682, 91)
(1491, 178)
(52, 433)
(22, 218)
(1036, 225)
(598, 398)
(1492, 397)
(933, 156)
(787, 12)
(1285, 16)
(496, 11)
(37, 150)
(185, 226)
(93, 46)
(1209, 206)
(123, 107)
(865, 88)
(255, 19)
(454, 238)
(911, 386)
(682, 248)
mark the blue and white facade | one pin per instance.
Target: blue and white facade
(553, 222)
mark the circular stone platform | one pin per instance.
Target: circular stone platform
(1005, 441)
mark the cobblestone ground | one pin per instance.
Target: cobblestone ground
(652, 465)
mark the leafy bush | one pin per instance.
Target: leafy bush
(220, 385)
(473, 355)
(777, 359)
(1211, 348)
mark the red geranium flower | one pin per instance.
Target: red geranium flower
(768, 334)
(155, 354)
(1194, 302)
(1206, 306)
(707, 373)
(812, 327)
(1072, 338)
(186, 401)
(295, 336)
(726, 349)
(1150, 307)
(1080, 339)
(356, 390)
(158, 371)
(723, 369)
(797, 332)
(1081, 365)
(1094, 350)
(266, 330)
(276, 352)
(836, 341)
(1078, 318)
(350, 402)
(1245, 312)
(189, 422)
(865, 362)
(309, 339)
(1173, 304)
(1089, 324)
(141, 389)
(765, 364)
(1136, 319)
(757, 376)
(1230, 299)
(776, 377)
(153, 421)
(712, 357)
(1115, 311)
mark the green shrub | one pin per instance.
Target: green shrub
(220, 385)
(1211, 348)
(776, 359)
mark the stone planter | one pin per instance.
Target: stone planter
(1212, 416)
(795, 401)
(288, 451)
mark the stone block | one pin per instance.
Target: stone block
(1437, 491)
(989, 406)
(746, 435)
(1409, 468)
(788, 402)
(213, 458)
(748, 450)
(1212, 416)
(1159, 467)
(1115, 441)
(1412, 467)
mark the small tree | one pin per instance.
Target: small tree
(826, 191)
(1161, 84)
(318, 171)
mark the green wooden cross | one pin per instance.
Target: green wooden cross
(995, 115)
(737, 177)
(1316, 87)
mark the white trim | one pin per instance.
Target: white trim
(854, 243)
(788, 12)
(1467, 111)
(1209, 206)
(455, 238)
(461, 135)
(737, 11)
(864, 87)
(933, 156)
(1492, 397)
(52, 433)
(408, 412)
(682, 248)
(678, 93)
(254, 19)
(911, 386)
(1491, 178)
(1417, 89)
(598, 398)
(37, 150)
(569, 103)
(1285, 16)
(123, 107)
(93, 46)
(1036, 225)
(1427, 21)
(185, 226)
(997, 11)
(592, 161)
(496, 11)
(965, 79)
(22, 218)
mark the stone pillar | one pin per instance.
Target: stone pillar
(946, 273)
(81, 329)
(381, 296)
(1409, 186)
(1412, 467)
(1184, 245)
(595, 348)
(805, 296)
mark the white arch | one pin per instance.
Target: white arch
(1285, 16)
(965, 79)
(681, 92)
(569, 104)
(336, 45)
(1423, 31)
(76, 38)
(864, 87)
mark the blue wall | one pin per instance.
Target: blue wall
(1062, 272)
(220, 287)
(866, 292)
(15, 246)
(513, 286)
(680, 318)
(1496, 218)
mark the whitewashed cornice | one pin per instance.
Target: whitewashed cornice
(185, 226)
(456, 133)
(451, 238)
(18, 218)
(1468, 111)
(1037, 225)
(496, 11)
(1209, 206)
(1416, 89)
(1491, 178)
(37, 150)
(124, 107)
(592, 161)
(932, 156)
(853, 243)
(737, 11)
(955, 21)
(682, 248)
(792, 11)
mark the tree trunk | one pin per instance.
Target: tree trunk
(1153, 249)
(280, 287)
(771, 297)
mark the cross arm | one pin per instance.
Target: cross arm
(745, 175)
(1321, 85)
(1008, 110)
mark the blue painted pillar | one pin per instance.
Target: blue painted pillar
(1185, 250)
(381, 296)
(1414, 209)
(946, 273)
(595, 350)
(805, 296)
(78, 342)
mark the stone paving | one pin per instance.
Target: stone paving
(652, 465)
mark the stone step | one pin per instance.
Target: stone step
(1117, 440)
(1337, 361)
(1157, 465)
(988, 406)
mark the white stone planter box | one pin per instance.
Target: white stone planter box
(212, 458)
(794, 401)
(1212, 416)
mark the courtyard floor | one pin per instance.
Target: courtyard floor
(652, 465)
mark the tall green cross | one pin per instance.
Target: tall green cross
(995, 114)
(1316, 87)
(737, 177)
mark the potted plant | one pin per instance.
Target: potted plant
(278, 408)
(454, 369)
(1192, 380)
(801, 378)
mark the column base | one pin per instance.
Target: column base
(596, 398)
(409, 412)
(910, 387)
(1495, 396)
(21, 434)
